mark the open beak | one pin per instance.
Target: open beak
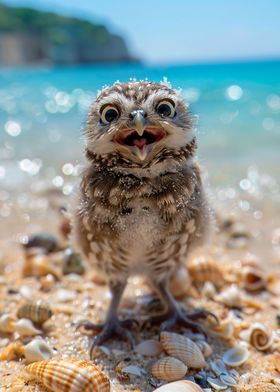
(139, 123)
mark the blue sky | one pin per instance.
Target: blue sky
(172, 31)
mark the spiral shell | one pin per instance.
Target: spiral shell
(37, 350)
(202, 269)
(253, 279)
(260, 338)
(25, 327)
(69, 375)
(180, 386)
(169, 369)
(182, 348)
(37, 311)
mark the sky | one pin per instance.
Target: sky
(182, 31)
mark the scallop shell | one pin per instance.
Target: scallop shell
(236, 356)
(260, 338)
(179, 386)
(7, 323)
(70, 375)
(25, 327)
(37, 350)
(13, 351)
(149, 348)
(180, 282)
(182, 348)
(169, 369)
(253, 279)
(38, 265)
(203, 269)
(37, 311)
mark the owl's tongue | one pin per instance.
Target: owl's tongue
(140, 143)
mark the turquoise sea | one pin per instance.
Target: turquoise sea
(237, 109)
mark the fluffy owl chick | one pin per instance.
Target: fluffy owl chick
(141, 205)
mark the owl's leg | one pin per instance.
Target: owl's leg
(175, 315)
(112, 325)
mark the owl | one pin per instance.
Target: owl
(142, 207)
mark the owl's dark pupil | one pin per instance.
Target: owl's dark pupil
(164, 110)
(111, 115)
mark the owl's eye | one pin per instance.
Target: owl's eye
(166, 109)
(109, 114)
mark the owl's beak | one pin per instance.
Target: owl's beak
(138, 121)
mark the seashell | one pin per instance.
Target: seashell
(72, 263)
(205, 348)
(236, 356)
(63, 295)
(179, 386)
(37, 311)
(133, 370)
(230, 296)
(259, 337)
(39, 265)
(149, 348)
(47, 282)
(26, 292)
(7, 323)
(25, 327)
(4, 342)
(217, 384)
(13, 351)
(70, 375)
(180, 282)
(253, 279)
(208, 290)
(202, 269)
(182, 348)
(45, 241)
(37, 350)
(169, 369)
(276, 361)
(218, 367)
(228, 380)
(223, 330)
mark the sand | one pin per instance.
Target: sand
(240, 236)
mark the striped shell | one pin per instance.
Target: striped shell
(180, 386)
(69, 375)
(169, 369)
(260, 337)
(37, 311)
(202, 269)
(182, 348)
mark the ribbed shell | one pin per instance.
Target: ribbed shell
(169, 369)
(37, 311)
(183, 348)
(180, 386)
(202, 269)
(69, 375)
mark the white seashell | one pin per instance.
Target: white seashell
(134, 370)
(149, 348)
(169, 369)
(26, 292)
(4, 342)
(205, 348)
(37, 350)
(230, 296)
(228, 380)
(218, 367)
(25, 327)
(223, 330)
(260, 338)
(63, 295)
(183, 348)
(209, 290)
(217, 384)
(69, 375)
(179, 386)
(7, 323)
(236, 356)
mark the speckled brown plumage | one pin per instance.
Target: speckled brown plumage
(140, 215)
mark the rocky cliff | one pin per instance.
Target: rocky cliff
(28, 36)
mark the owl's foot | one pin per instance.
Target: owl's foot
(114, 327)
(176, 316)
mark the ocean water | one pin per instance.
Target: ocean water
(236, 109)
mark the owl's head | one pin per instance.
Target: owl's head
(136, 121)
